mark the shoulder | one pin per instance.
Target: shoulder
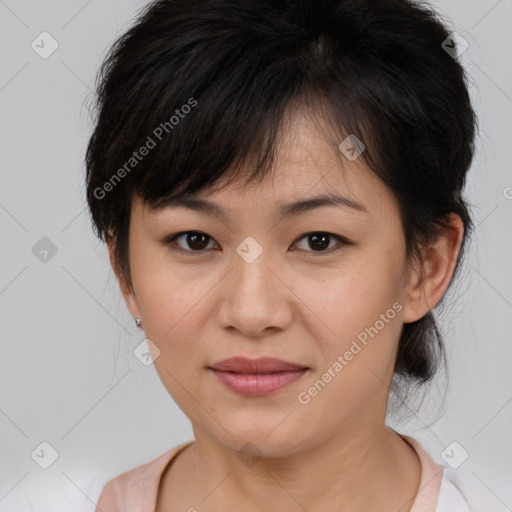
(463, 491)
(441, 488)
(451, 497)
(136, 490)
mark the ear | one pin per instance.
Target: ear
(126, 289)
(428, 283)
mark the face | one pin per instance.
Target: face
(324, 288)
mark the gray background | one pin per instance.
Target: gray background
(68, 375)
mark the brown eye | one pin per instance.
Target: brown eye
(194, 241)
(319, 241)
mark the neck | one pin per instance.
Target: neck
(375, 470)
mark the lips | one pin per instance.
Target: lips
(256, 377)
(262, 365)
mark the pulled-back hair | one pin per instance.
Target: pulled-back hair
(203, 86)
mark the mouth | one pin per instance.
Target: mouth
(256, 377)
(261, 365)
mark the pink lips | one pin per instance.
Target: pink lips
(256, 377)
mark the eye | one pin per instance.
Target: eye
(197, 241)
(319, 241)
(194, 239)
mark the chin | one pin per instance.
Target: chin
(266, 441)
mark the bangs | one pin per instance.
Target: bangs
(242, 147)
(202, 109)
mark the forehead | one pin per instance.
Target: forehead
(308, 163)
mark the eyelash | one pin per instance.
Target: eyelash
(171, 241)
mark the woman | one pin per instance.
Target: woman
(280, 188)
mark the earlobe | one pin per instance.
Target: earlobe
(415, 305)
(133, 307)
(429, 282)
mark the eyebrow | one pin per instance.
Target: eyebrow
(295, 208)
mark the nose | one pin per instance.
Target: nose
(256, 299)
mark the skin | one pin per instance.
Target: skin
(296, 304)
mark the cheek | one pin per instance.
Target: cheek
(351, 299)
(168, 296)
(176, 306)
(173, 307)
(362, 312)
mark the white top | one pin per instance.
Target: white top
(450, 497)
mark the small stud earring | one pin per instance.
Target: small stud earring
(138, 322)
